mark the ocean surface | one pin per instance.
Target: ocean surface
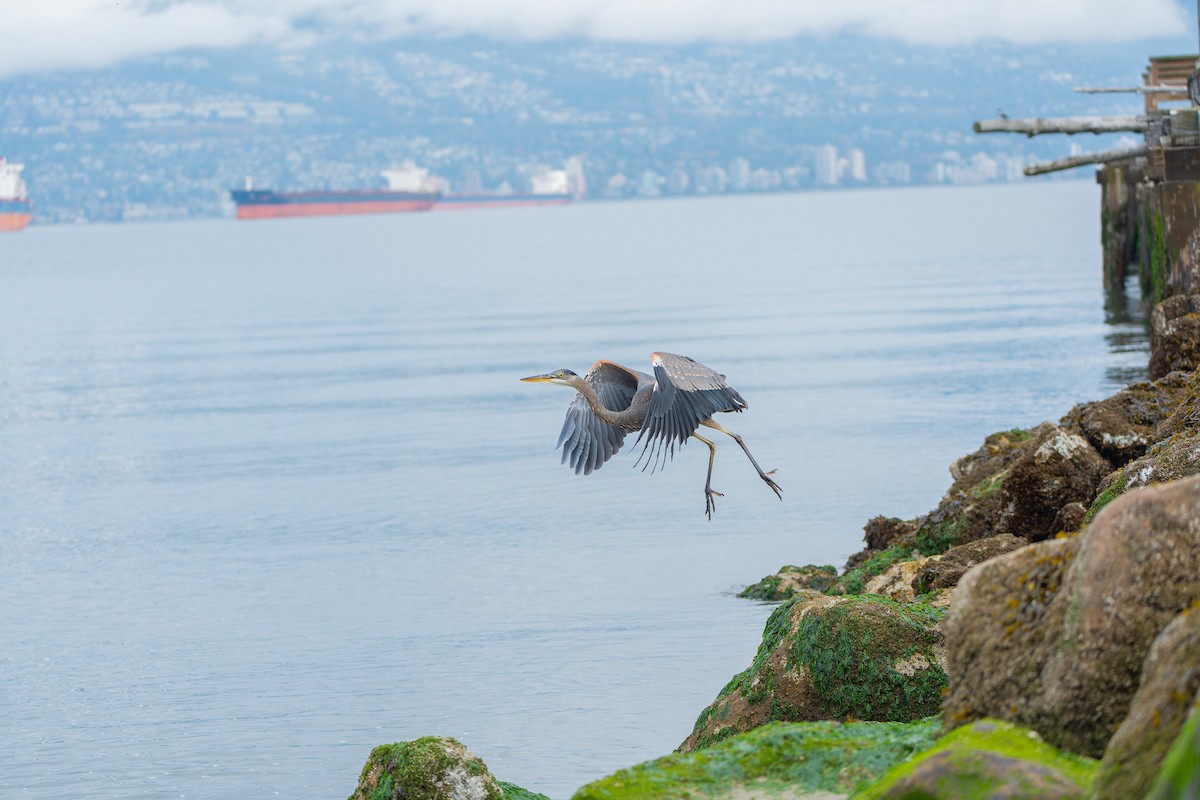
(271, 493)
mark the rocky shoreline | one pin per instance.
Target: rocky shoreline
(1036, 635)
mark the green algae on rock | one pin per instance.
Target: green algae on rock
(855, 657)
(791, 580)
(987, 759)
(429, 768)
(856, 579)
(775, 760)
(514, 792)
(1180, 775)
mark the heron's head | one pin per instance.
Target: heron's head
(561, 377)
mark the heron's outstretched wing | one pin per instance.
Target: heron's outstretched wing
(586, 441)
(686, 393)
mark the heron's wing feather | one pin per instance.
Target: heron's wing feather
(587, 441)
(686, 393)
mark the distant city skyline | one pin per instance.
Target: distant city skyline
(167, 137)
(93, 34)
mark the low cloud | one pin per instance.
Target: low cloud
(75, 34)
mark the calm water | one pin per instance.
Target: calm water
(271, 494)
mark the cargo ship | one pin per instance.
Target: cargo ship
(407, 190)
(467, 202)
(550, 188)
(15, 208)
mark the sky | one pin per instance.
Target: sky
(48, 35)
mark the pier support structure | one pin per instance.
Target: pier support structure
(1150, 213)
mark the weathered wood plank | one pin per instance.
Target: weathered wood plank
(1034, 126)
(1130, 89)
(1083, 159)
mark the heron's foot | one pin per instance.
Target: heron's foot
(710, 505)
(766, 476)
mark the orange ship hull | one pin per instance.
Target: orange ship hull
(13, 221)
(267, 204)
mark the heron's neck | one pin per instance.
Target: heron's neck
(611, 417)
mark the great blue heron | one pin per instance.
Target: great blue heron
(666, 408)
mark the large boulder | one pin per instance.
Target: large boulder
(1123, 426)
(987, 759)
(1170, 683)
(1053, 636)
(778, 760)
(431, 768)
(1175, 335)
(1058, 467)
(944, 571)
(854, 657)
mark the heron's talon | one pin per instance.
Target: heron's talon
(710, 505)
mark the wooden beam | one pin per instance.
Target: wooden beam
(1131, 89)
(1102, 156)
(1069, 125)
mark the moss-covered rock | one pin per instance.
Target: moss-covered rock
(1054, 635)
(514, 792)
(944, 571)
(973, 505)
(985, 760)
(881, 532)
(896, 582)
(429, 768)
(855, 579)
(1170, 682)
(775, 760)
(791, 580)
(856, 657)
(1179, 778)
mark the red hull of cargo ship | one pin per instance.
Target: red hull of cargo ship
(13, 221)
(274, 210)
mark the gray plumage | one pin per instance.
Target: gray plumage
(666, 409)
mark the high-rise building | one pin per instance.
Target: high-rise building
(825, 165)
(739, 174)
(857, 166)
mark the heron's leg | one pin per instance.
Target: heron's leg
(766, 476)
(710, 505)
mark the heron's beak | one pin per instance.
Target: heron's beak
(538, 379)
